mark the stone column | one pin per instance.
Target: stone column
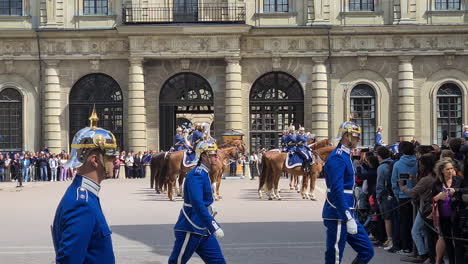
(136, 106)
(319, 98)
(406, 108)
(51, 107)
(233, 118)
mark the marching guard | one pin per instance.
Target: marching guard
(196, 229)
(338, 212)
(80, 232)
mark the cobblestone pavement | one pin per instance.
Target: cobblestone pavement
(257, 231)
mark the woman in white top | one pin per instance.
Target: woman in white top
(63, 170)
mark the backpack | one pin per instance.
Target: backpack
(388, 182)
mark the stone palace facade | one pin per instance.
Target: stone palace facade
(254, 66)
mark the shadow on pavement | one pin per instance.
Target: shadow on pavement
(255, 243)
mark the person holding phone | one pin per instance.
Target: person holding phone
(407, 165)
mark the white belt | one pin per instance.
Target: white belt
(345, 191)
(188, 205)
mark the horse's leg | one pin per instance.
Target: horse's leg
(304, 185)
(299, 183)
(291, 181)
(213, 188)
(218, 180)
(275, 188)
(313, 180)
(181, 182)
(170, 186)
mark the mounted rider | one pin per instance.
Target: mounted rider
(197, 136)
(338, 213)
(291, 140)
(284, 143)
(303, 150)
(179, 140)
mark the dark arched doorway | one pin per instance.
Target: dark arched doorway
(11, 120)
(276, 101)
(104, 92)
(184, 93)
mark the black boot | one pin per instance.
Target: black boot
(357, 261)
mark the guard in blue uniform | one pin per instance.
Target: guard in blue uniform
(179, 140)
(378, 138)
(284, 141)
(196, 229)
(80, 232)
(197, 135)
(465, 132)
(291, 140)
(303, 150)
(338, 212)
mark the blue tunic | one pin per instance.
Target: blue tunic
(197, 137)
(378, 139)
(179, 143)
(291, 140)
(80, 232)
(284, 143)
(198, 196)
(339, 177)
(302, 149)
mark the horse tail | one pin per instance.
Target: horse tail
(263, 173)
(162, 173)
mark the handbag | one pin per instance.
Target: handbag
(434, 215)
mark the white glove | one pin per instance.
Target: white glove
(219, 233)
(212, 210)
(351, 226)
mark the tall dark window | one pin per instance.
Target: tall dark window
(276, 101)
(104, 92)
(11, 7)
(449, 111)
(447, 4)
(363, 112)
(270, 6)
(11, 120)
(361, 5)
(95, 7)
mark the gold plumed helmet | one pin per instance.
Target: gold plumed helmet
(89, 139)
(349, 127)
(209, 148)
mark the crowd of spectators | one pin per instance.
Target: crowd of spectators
(415, 202)
(27, 166)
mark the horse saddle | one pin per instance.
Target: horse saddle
(293, 160)
(190, 159)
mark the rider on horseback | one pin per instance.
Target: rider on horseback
(180, 143)
(303, 149)
(291, 140)
(284, 143)
(197, 135)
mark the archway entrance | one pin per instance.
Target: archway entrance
(276, 101)
(104, 92)
(186, 98)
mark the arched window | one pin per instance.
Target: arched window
(183, 93)
(276, 101)
(449, 111)
(104, 92)
(11, 120)
(363, 112)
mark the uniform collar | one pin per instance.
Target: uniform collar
(89, 185)
(205, 168)
(345, 149)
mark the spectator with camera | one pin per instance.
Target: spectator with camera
(422, 193)
(403, 169)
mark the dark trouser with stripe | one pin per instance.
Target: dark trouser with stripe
(207, 247)
(337, 237)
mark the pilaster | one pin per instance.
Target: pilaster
(51, 107)
(319, 98)
(406, 96)
(233, 94)
(136, 106)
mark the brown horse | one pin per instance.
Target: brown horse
(157, 163)
(294, 180)
(226, 153)
(316, 169)
(273, 163)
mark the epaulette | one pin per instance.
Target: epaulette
(81, 194)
